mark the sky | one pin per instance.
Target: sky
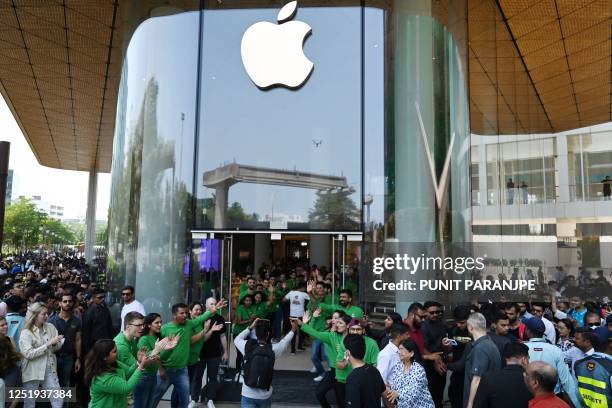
(58, 187)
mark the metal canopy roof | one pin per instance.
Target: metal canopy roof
(535, 66)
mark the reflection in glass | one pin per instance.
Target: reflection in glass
(150, 210)
(280, 159)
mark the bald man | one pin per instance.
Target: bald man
(214, 351)
(541, 379)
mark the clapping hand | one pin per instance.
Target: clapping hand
(217, 327)
(207, 325)
(310, 286)
(317, 312)
(305, 318)
(220, 305)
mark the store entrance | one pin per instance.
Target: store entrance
(220, 263)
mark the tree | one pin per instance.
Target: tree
(22, 222)
(335, 210)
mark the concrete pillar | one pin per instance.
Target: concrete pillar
(563, 169)
(262, 250)
(221, 192)
(482, 172)
(320, 245)
(90, 217)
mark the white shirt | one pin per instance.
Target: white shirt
(134, 306)
(297, 301)
(387, 359)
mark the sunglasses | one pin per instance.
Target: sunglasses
(126, 294)
(435, 312)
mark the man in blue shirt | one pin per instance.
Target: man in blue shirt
(541, 350)
(15, 320)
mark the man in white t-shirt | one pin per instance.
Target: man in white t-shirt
(297, 304)
(130, 304)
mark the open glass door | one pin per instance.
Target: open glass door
(211, 272)
(346, 255)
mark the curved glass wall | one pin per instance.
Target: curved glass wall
(152, 170)
(376, 140)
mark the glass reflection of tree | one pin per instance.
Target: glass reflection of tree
(151, 208)
(335, 210)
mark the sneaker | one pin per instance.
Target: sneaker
(293, 353)
(318, 378)
(301, 349)
(210, 404)
(313, 370)
(192, 404)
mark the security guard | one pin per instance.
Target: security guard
(594, 373)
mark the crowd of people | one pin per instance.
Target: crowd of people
(57, 331)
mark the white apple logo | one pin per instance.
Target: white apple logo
(273, 54)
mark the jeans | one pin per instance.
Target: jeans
(317, 356)
(144, 392)
(180, 380)
(65, 365)
(49, 383)
(247, 402)
(211, 365)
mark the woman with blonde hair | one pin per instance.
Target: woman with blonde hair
(38, 343)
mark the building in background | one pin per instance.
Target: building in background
(52, 210)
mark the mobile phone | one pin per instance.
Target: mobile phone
(453, 342)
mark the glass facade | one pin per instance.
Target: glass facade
(376, 142)
(152, 169)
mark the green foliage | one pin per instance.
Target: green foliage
(26, 227)
(335, 210)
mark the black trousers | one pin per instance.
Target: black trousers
(211, 365)
(455, 389)
(436, 384)
(326, 385)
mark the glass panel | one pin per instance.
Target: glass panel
(152, 173)
(280, 158)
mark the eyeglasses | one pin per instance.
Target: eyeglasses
(435, 312)
(137, 325)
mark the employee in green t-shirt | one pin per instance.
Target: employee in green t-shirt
(109, 380)
(145, 389)
(245, 315)
(127, 340)
(175, 361)
(317, 294)
(339, 366)
(345, 300)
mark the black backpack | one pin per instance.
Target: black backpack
(258, 364)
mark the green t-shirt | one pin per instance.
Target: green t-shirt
(194, 350)
(243, 313)
(262, 310)
(148, 343)
(110, 390)
(353, 311)
(126, 350)
(318, 323)
(179, 357)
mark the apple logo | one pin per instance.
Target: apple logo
(273, 54)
